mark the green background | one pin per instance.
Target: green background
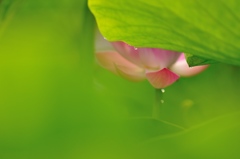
(56, 102)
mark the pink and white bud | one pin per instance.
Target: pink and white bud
(160, 67)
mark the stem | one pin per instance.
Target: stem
(157, 103)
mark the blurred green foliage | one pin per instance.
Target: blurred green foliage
(56, 102)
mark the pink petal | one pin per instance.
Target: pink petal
(156, 59)
(162, 78)
(115, 63)
(128, 52)
(134, 74)
(149, 58)
(181, 68)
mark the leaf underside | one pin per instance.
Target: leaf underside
(208, 29)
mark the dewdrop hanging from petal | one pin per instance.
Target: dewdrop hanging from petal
(160, 67)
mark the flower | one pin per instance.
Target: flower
(160, 67)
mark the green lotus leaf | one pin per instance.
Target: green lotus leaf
(208, 29)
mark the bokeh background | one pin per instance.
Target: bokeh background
(56, 102)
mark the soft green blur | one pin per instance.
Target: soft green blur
(56, 102)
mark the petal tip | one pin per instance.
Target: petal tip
(162, 78)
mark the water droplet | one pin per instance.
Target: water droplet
(162, 101)
(163, 90)
(105, 38)
(135, 48)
